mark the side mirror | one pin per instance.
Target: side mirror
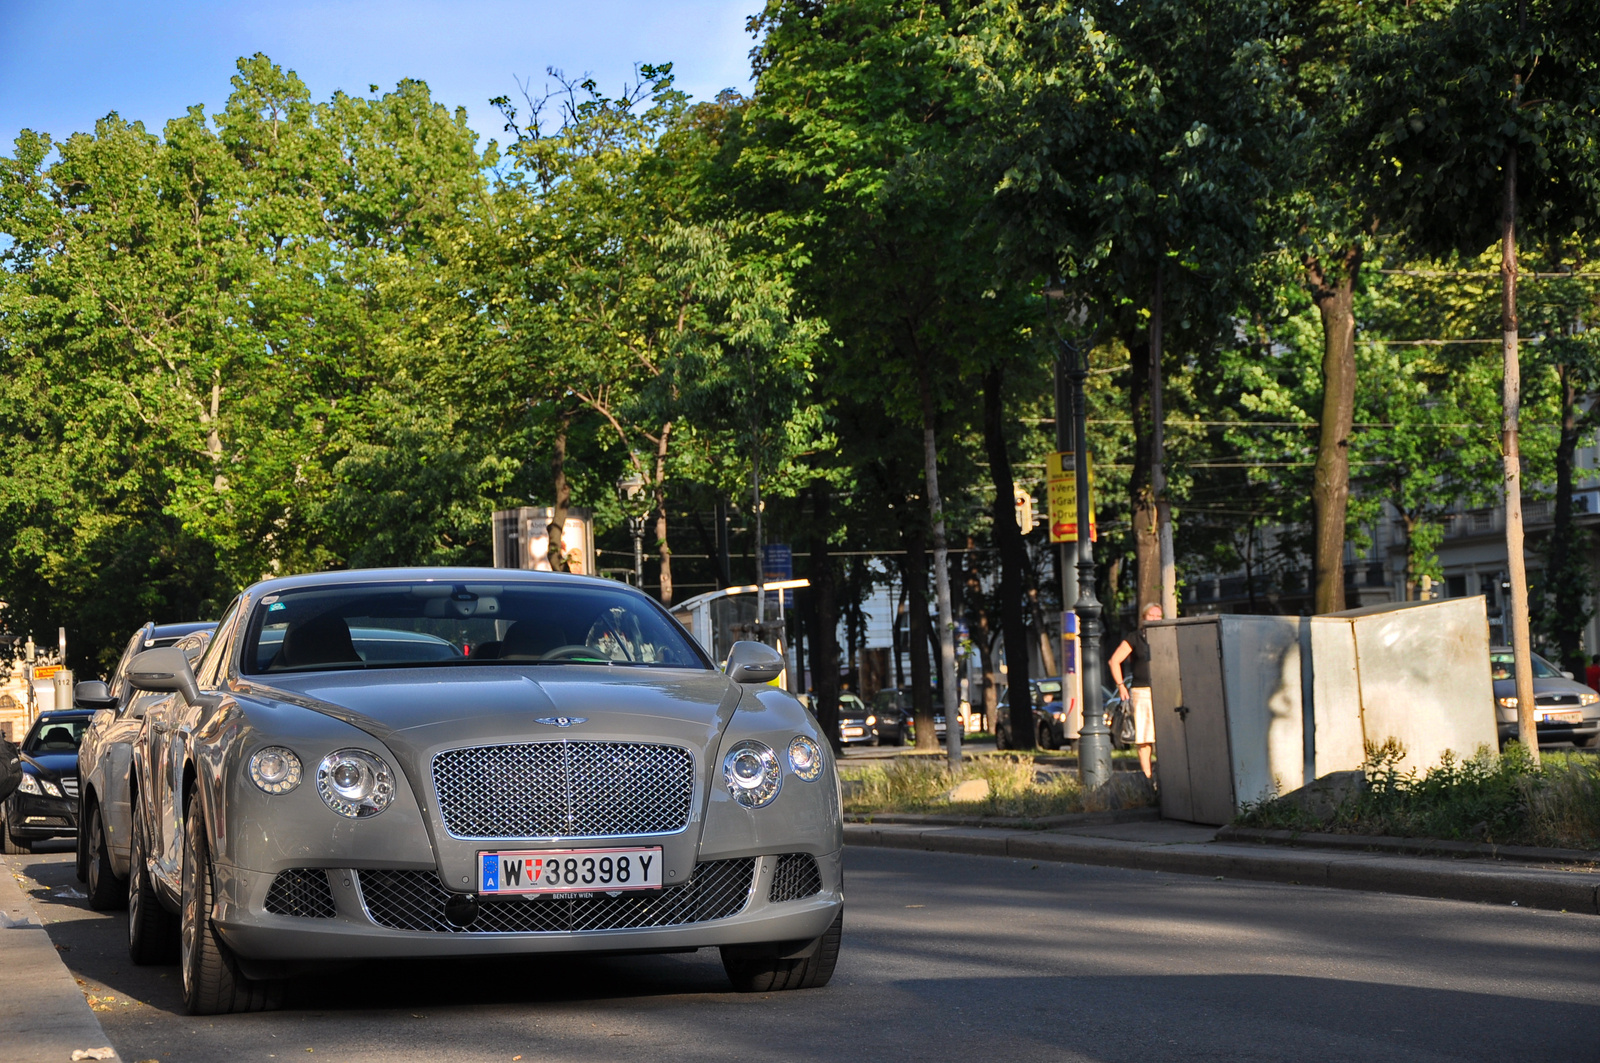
(753, 662)
(1565, 674)
(165, 671)
(93, 694)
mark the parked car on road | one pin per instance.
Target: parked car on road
(105, 758)
(1565, 710)
(860, 725)
(45, 804)
(1049, 717)
(592, 783)
(894, 703)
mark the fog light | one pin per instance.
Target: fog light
(355, 783)
(275, 769)
(751, 772)
(805, 758)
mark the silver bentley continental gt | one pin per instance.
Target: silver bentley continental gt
(470, 762)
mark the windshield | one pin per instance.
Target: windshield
(850, 705)
(389, 625)
(56, 736)
(1500, 667)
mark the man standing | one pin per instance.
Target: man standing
(10, 767)
(1136, 648)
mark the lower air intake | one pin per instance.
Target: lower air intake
(302, 892)
(415, 900)
(795, 877)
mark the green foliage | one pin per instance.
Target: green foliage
(1504, 799)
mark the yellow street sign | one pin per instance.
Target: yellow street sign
(1063, 499)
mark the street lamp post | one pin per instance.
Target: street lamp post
(1094, 739)
(628, 489)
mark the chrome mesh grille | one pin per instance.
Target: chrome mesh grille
(69, 786)
(796, 876)
(1556, 699)
(564, 789)
(302, 892)
(415, 900)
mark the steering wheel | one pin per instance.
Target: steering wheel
(575, 653)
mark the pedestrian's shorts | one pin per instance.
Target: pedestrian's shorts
(1144, 717)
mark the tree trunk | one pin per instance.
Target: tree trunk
(1565, 598)
(1330, 483)
(982, 636)
(941, 571)
(1141, 491)
(916, 597)
(557, 551)
(1013, 558)
(1510, 447)
(825, 613)
(662, 547)
(724, 562)
(1158, 457)
(1047, 650)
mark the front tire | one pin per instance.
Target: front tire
(152, 931)
(752, 971)
(106, 891)
(9, 845)
(212, 981)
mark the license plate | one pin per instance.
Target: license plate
(854, 732)
(1561, 717)
(569, 871)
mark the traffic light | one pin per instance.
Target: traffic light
(1024, 502)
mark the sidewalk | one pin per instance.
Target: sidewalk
(1185, 848)
(43, 1014)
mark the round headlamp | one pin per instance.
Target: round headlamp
(275, 769)
(751, 771)
(355, 783)
(805, 758)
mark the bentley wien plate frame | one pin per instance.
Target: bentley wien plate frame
(569, 870)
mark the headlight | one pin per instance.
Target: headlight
(275, 769)
(805, 758)
(355, 783)
(871, 720)
(1588, 699)
(751, 772)
(1508, 703)
(30, 785)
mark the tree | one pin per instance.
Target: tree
(1461, 150)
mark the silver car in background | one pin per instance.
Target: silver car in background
(555, 767)
(1564, 710)
(105, 759)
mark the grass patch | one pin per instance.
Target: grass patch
(1016, 788)
(1499, 798)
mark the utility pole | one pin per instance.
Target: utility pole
(1072, 667)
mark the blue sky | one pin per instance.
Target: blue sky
(66, 63)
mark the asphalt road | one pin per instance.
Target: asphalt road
(945, 957)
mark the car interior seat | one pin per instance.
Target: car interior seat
(323, 639)
(528, 640)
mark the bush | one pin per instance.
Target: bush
(1499, 798)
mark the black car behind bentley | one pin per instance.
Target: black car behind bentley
(45, 804)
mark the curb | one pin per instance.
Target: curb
(1068, 819)
(1376, 843)
(1418, 876)
(42, 1011)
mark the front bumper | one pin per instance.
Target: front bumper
(32, 818)
(1550, 733)
(259, 937)
(866, 734)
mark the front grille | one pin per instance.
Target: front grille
(1556, 699)
(302, 892)
(796, 876)
(564, 789)
(415, 900)
(69, 786)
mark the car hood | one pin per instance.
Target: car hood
(52, 765)
(1505, 688)
(422, 710)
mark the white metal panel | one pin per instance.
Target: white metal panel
(1261, 667)
(1425, 678)
(1336, 697)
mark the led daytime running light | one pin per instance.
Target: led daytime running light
(275, 770)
